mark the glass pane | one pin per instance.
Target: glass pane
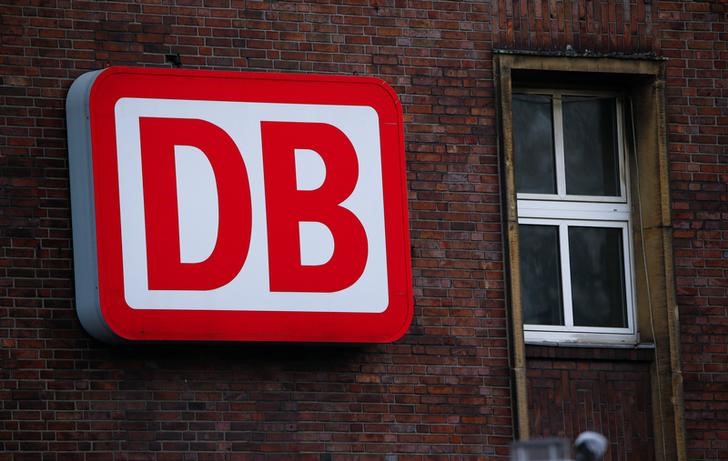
(540, 275)
(590, 146)
(533, 144)
(597, 277)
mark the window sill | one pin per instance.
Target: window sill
(644, 352)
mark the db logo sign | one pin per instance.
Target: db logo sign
(227, 206)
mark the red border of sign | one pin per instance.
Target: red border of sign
(170, 324)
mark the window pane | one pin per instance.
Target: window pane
(590, 146)
(540, 275)
(533, 144)
(597, 277)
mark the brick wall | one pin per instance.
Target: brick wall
(444, 388)
(600, 26)
(695, 38)
(575, 390)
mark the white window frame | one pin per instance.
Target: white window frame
(563, 210)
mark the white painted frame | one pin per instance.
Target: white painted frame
(564, 211)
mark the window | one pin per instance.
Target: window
(595, 208)
(574, 224)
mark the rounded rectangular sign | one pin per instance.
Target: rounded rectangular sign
(238, 207)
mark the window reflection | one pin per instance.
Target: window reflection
(590, 146)
(533, 144)
(540, 275)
